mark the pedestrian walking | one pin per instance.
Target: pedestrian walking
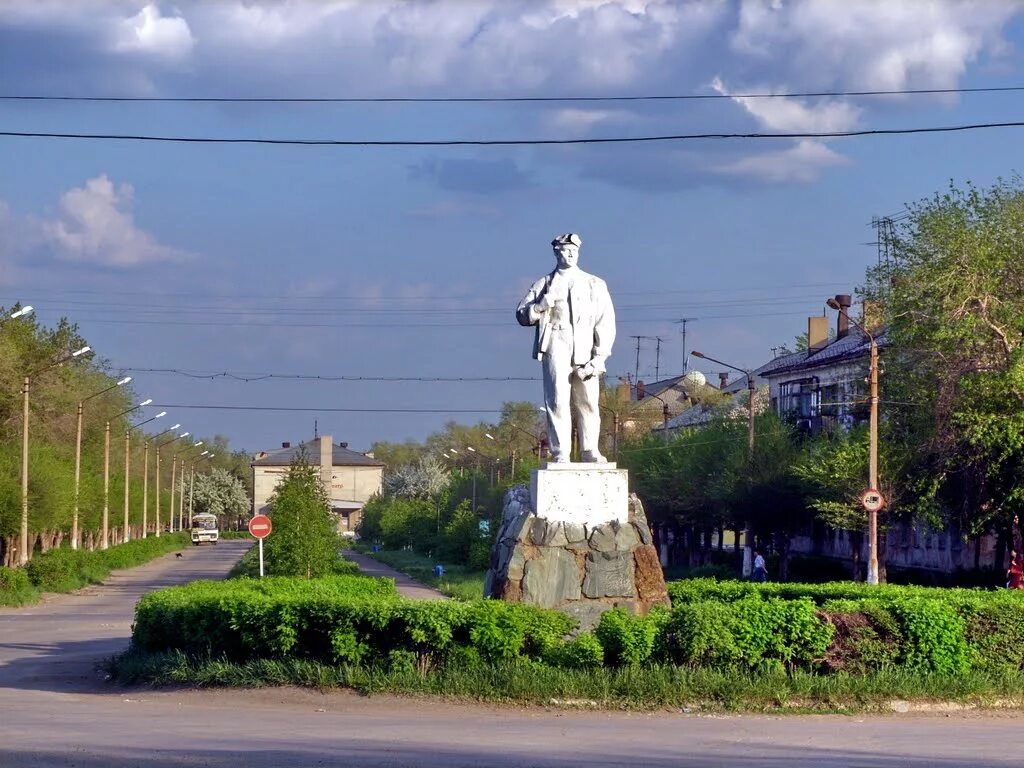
(760, 572)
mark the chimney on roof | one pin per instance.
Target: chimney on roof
(286, 445)
(641, 390)
(817, 333)
(326, 463)
(843, 323)
(723, 379)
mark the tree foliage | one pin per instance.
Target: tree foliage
(222, 494)
(955, 361)
(304, 540)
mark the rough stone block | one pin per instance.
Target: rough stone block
(602, 539)
(609, 574)
(649, 579)
(551, 578)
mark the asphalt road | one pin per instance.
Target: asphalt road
(55, 710)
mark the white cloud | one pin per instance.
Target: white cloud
(803, 162)
(579, 121)
(870, 44)
(149, 32)
(96, 225)
(790, 115)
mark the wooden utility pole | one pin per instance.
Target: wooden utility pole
(873, 463)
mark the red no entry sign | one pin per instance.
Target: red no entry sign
(260, 526)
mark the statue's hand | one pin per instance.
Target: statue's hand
(586, 371)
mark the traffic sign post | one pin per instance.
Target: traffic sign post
(260, 527)
(872, 500)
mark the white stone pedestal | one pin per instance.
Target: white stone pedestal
(586, 493)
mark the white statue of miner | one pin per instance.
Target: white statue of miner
(575, 330)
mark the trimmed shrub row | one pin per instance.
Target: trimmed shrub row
(357, 620)
(65, 569)
(337, 619)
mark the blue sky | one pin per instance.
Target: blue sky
(406, 262)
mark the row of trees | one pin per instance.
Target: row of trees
(27, 347)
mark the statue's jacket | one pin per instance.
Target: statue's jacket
(591, 317)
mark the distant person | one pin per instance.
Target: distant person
(760, 572)
(1015, 573)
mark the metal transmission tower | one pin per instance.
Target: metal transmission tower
(683, 321)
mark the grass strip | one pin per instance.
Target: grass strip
(249, 565)
(646, 688)
(459, 581)
(65, 569)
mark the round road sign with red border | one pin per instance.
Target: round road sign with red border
(260, 526)
(873, 500)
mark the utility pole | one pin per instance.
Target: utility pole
(145, 488)
(636, 369)
(127, 452)
(657, 359)
(683, 321)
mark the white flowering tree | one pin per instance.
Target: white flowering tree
(222, 494)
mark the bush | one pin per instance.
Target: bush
(336, 619)
(15, 587)
(66, 569)
(628, 640)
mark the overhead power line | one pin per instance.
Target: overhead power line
(505, 99)
(292, 408)
(249, 377)
(510, 142)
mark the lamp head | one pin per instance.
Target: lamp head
(81, 351)
(695, 353)
(833, 304)
(26, 310)
(162, 413)
(123, 381)
(145, 402)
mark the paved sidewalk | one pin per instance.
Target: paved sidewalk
(407, 587)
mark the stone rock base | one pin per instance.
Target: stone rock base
(580, 569)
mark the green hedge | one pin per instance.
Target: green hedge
(819, 628)
(66, 569)
(337, 619)
(15, 587)
(921, 629)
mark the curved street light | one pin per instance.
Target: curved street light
(23, 538)
(78, 453)
(105, 525)
(145, 472)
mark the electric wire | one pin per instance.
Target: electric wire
(506, 99)
(597, 140)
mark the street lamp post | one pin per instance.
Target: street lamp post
(23, 538)
(171, 511)
(145, 478)
(751, 391)
(105, 543)
(475, 472)
(145, 470)
(872, 439)
(78, 456)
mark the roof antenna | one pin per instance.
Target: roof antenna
(316, 433)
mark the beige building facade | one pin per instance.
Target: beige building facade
(350, 478)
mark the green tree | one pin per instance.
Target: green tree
(953, 389)
(304, 541)
(222, 494)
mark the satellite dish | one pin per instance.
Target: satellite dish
(695, 378)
